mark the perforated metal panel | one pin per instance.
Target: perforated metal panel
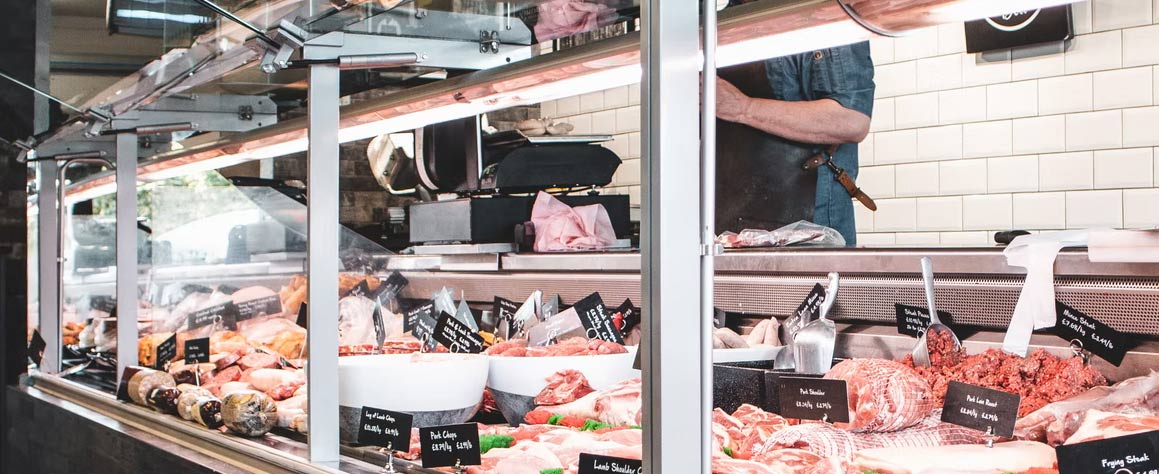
(984, 301)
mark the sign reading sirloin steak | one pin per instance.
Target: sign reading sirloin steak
(1132, 454)
(456, 336)
(982, 409)
(385, 428)
(450, 445)
(1102, 340)
(814, 399)
(596, 464)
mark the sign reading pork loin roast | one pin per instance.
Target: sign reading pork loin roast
(980, 408)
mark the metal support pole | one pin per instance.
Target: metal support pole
(673, 339)
(322, 262)
(48, 238)
(707, 216)
(127, 290)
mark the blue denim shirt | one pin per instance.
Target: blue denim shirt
(843, 74)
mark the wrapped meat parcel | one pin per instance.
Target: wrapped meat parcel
(1015, 457)
(248, 413)
(832, 442)
(884, 396)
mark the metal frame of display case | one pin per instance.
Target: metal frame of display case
(677, 257)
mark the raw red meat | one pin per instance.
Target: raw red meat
(1058, 421)
(575, 346)
(229, 374)
(258, 360)
(1101, 425)
(565, 386)
(884, 396)
(1040, 378)
(285, 390)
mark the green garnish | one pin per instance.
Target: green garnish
(489, 442)
(593, 425)
(554, 419)
(728, 451)
(552, 471)
(636, 427)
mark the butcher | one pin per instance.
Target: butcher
(787, 140)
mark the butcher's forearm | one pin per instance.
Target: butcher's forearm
(819, 121)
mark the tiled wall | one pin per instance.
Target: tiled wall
(961, 145)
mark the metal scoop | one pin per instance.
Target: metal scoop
(813, 344)
(921, 352)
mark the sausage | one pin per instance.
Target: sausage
(730, 339)
(757, 336)
(142, 383)
(187, 401)
(229, 374)
(164, 400)
(248, 413)
(207, 412)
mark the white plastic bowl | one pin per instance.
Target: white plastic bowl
(412, 383)
(748, 354)
(527, 376)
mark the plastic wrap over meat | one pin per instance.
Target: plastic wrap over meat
(832, 442)
(559, 18)
(1058, 421)
(561, 227)
(884, 395)
(356, 321)
(797, 233)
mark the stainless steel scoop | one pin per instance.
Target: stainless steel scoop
(921, 352)
(813, 344)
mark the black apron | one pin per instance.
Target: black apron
(760, 183)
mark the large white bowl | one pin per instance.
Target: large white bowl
(412, 383)
(748, 354)
(527, 376)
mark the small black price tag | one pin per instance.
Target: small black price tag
(1131, 454)
(456, 336)
(424, 330)
(807, 311)
(303, 316)
(166, 351)
(412, 316)
(982, 409)
(814, 399)
(1102, 340)
(596, 319)
(268, 305)
(385, 428)
(36, 347)
(637, 363)
(551, 307)
(197, 351)
(107, 304)
(912, 320)
(361, 289)
(596, 464)
(392, 287)
(123, 386)
(227, 312)
(504, 311)
(450, 445)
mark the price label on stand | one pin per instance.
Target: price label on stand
(393, 286)
(456, 336)
(385, 428)
(814, 399)
(197, 351)
(166, 351)
(982, 409)
(303, 316)
(247, 310)
(413, 315)
(504, 311)
(225, 312)
(452, 445)
(912, 320)
(807, 311)
(596, 464)
(106, 304)
(596, 320)
(1102, 340)
(36, 347)
(1131, 454)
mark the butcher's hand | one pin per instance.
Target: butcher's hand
(731, 103)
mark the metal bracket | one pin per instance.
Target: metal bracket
(216, 113)
(489, 42)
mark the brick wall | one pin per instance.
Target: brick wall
(1045, 137)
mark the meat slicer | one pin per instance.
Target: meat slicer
(487, 183)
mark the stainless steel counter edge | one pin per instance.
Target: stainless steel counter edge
(270, 455)
(978, 261)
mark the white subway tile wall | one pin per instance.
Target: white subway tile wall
(1124, 88)
(1043, 137)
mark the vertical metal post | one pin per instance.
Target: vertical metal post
(707, 215)
(48, 238)
(322, 262)
(126, 171)
(671, 254)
